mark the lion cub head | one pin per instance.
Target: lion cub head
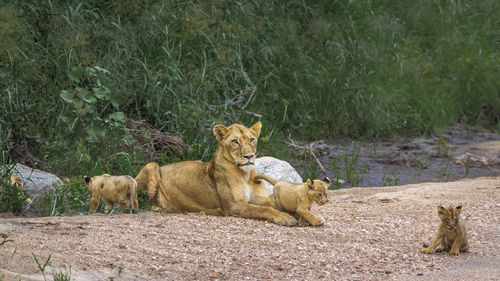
(238, 144)
(317, 190)
(450, 216)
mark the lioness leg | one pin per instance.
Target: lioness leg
(302, 222)
(310, 217)
(250, 211)
(148, 179)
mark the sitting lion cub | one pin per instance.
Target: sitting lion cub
(113, 189)
(298, 198)
(451, 235)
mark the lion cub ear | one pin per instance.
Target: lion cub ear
(220, 132)
(441, 210)
(86, 179)
(327, 180)
(256, 129)
(459, 209)
(310, 184)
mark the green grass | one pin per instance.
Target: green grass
(74, 73)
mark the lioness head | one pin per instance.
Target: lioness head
(317, 190)
(450, 216)
(239, 143)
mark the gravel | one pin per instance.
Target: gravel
(370, 234)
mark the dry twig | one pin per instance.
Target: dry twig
(238, 99)
(307, 149)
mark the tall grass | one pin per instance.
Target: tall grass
(322, 69)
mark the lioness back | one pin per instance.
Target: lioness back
(196, 198)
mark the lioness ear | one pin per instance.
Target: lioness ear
(327, 180)
(256, 128)
(220, 132)
(86, 179)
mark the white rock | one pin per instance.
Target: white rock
(278, 169)
(36, 182)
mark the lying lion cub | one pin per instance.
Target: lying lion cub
(451, 235)
(17, 181)
(113, 189)
(298, 198)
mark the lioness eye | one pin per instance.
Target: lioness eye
(235, 141)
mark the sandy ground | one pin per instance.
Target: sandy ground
(370, 234)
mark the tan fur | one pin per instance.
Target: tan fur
(148, 179)
(452, 235)
(113, 189)
(16, 180)
(298, 198)
(224, 186)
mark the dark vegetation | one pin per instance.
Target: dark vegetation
(88, 87)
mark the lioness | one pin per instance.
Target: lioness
(298, 198)
(113, 189)
(224, 186)
(451, 235)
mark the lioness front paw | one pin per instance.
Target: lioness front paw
(318, 222)
(425, 251)
(454, 252)
(285, 220)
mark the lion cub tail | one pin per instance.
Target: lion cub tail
(133, 194)
(267, 178)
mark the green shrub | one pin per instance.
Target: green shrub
(73, 74)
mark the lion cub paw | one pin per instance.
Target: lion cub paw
(454, 252)
(425, 251)
(285, 220)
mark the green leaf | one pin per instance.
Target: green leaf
(96, 130)
(102, 92)
(128, 139)
(76, 73)
(116, 99)
(87, 96)
(117, 116)
(103, 70)
(67, 96)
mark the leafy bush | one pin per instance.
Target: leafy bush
(73, 74)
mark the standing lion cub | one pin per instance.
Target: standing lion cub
(298, 198)
(113, 189)
(451, 235)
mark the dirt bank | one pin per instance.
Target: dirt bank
(370, 234)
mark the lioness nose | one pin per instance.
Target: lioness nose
(248, 156)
